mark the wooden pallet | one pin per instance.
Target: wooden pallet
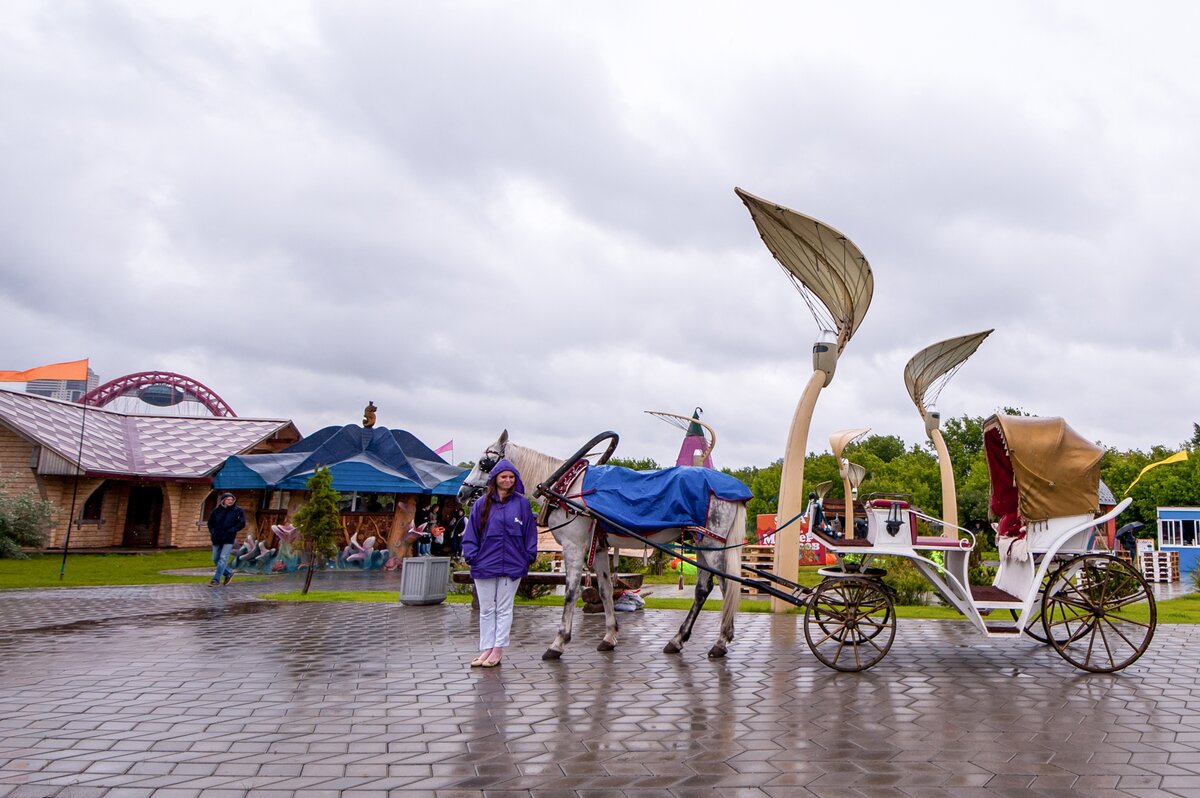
(760, 557)
(1160, 566)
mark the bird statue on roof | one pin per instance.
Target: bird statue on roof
(369, 414)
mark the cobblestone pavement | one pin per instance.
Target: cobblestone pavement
(180, 691)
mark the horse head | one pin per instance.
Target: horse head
(476, 482)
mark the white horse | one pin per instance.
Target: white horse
(726, 521)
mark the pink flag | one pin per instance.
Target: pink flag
(448, 446)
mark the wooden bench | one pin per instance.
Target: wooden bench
(591, 596)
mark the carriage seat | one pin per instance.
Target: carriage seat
(887, 503)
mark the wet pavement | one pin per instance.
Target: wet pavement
(181, 691)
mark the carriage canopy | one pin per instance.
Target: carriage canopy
(1041, 468)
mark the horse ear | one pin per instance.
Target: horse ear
(503, 437)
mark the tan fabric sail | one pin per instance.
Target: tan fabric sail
(930, 369)
(839, 440)
(830, 272)
(1056, 470)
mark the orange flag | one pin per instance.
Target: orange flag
(74, 370)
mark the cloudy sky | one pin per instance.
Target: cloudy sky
(521, 215)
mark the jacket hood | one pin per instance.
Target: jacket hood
(506, 465)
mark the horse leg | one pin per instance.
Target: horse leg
(704, 585)
(731, 592)
(605, 586)
(573, 557)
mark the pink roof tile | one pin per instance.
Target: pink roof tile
(118, 443)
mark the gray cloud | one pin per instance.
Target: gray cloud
(515, 216)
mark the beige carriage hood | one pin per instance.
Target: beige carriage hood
(1055, 470)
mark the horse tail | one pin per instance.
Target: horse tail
(731, 592)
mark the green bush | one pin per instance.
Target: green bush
(909, 586)
(634, 565)
(24, 521)
(543, 565)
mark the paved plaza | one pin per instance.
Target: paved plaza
(182, 691)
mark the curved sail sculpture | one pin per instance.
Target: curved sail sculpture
(696, 433)
(852, 473)
(925, 375)
(834, 278)
(826, 267)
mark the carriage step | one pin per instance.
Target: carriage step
(998, 629)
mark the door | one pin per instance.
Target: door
(142, 517)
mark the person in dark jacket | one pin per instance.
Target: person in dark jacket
(223, 525)
(455, 531)
(500, 543)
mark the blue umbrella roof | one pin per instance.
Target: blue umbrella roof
(364, 459)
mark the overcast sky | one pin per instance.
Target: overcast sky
(521, 215)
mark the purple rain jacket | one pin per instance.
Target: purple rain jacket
(509, 544)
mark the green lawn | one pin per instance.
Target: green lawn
(41, 570)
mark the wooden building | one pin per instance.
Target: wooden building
(135, 480)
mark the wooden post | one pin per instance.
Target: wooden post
(791, 487)
(949, 493)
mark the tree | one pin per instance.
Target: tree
(24, 521)
(886, 447)
(319, 521)
(635, 464)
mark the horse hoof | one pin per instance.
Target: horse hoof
(671, 648)
(606, 646)
(551, 654)
(716, 652)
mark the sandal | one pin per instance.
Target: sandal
(477, 662)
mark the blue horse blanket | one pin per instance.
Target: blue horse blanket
(647, 501)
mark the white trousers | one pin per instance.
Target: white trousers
(495, 610)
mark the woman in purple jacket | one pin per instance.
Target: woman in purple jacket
(500, 544)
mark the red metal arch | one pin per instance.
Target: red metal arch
(123, 386)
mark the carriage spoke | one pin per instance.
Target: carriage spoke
(849, 612)
(1089, 602)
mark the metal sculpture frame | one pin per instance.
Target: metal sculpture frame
(122, 386)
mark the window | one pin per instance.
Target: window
(94, 504)
(355, 502)
(210, 504)
(1178, 532)
(274, 500)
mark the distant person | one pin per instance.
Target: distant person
(224, 523)
(424, 521)
(454, 530)
(500, 543)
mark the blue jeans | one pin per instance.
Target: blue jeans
(221, 560)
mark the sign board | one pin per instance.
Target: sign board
(812, 550)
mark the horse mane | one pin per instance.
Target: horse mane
(534, 466)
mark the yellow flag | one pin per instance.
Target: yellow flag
(1178, 457)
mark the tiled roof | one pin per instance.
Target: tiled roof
(118, 443)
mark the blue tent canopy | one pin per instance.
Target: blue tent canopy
(364, 459)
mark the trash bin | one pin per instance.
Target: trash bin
(424, 580)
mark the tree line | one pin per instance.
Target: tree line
(896, 468)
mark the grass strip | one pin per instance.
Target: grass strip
(93, 570)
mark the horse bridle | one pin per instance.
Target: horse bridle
(486, 463)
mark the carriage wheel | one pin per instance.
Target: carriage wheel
(1091, 613)
(849, 623)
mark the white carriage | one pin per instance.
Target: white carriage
(1095, 610)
